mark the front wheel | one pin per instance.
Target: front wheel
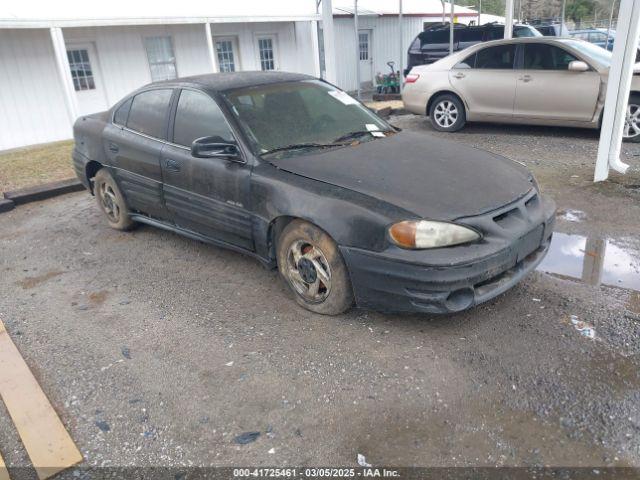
(447, 113)
(631, 132)
(311, 264)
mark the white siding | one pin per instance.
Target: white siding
(32, 108)
(385, 43)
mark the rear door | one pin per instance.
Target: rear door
(486, 81)
(206, 195)
(547, 90)
(133, 144)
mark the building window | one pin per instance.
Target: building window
(363, 40)
(226, 59)
(162, 61)
(265, 47)
(81, 71)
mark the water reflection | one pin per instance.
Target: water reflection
(593, 260)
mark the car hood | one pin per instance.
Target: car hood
(429, 176)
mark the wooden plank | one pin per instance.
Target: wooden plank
(4, 473)
(43, 435)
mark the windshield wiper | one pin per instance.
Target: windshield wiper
(300, 146)
(357, 133)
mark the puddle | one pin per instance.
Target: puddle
(593, 260)
(571, 215)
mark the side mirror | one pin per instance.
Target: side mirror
(211, 147)
(578, 66)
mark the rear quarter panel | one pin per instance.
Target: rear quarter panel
(415, 96)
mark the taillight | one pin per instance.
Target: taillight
(411, 78)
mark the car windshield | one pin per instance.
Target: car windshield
(599, 54)
(289, 116)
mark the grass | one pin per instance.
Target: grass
(26, 167)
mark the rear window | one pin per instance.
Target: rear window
(149, 111)
(470, 34)
(436, 36)
(500, 57)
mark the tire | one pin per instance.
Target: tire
(631, 132)
(111, 201)
(310, 263)
(447, 113)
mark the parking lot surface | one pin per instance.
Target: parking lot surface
(159, 350)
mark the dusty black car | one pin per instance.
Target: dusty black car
(297, 173)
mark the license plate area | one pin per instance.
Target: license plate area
(530, 242)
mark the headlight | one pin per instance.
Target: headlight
(418, 234)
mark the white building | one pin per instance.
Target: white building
(379, 33)
(59, 60)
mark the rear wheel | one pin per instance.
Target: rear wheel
(631, 132)
(111, 201)
(311, 264)
(447, 113)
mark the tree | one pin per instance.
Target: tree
(580, 9)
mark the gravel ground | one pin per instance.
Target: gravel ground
(158, 350)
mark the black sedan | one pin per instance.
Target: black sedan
(295, 172)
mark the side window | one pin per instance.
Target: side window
(469, 62)
(523, 32)
(121, 115)
(149, 111)
(546, 57)
(197, 116)
(470, 34)
(500, 57)
(495, 32)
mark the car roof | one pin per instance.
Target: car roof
(232, 80)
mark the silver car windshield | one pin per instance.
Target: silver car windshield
(590, 50)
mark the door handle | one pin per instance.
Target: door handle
(172, 165)
(113, 147)
(459, 75)
(526, 78)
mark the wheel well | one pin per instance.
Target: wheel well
(435, 96)
(91, 169)
(275, 228)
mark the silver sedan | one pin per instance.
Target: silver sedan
(536, 81)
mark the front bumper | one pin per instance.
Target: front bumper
(448, 280)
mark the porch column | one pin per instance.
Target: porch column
(329, 42)
(315, 48)
(212, 53)
(618, 87)
(64, 73)
(508, 20)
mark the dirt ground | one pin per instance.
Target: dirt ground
(158, 350)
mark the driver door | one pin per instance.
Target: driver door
(547, 90)
(209, 196)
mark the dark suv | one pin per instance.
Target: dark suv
(433, 43)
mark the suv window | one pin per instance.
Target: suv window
(471, 34)
(546, 57)
(495, 32)
(524, 32)
(500, 57)
(436, 35)
(148, 113)
(121, 115)
(197, 116)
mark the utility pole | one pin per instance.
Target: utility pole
(479, 11)
(564, 5)
(355, 25)
(451, 28)
(401, 49)
(613, 5)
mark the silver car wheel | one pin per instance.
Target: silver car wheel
(446, 114)
(308, 271)
(632, 121)
(109, 202)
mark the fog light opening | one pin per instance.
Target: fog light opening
(459, 299)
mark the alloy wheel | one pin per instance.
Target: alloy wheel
(632, 121)
(446, 114)
(109, 202)
(308, 271)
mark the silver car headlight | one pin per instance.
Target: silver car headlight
(419, 234)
